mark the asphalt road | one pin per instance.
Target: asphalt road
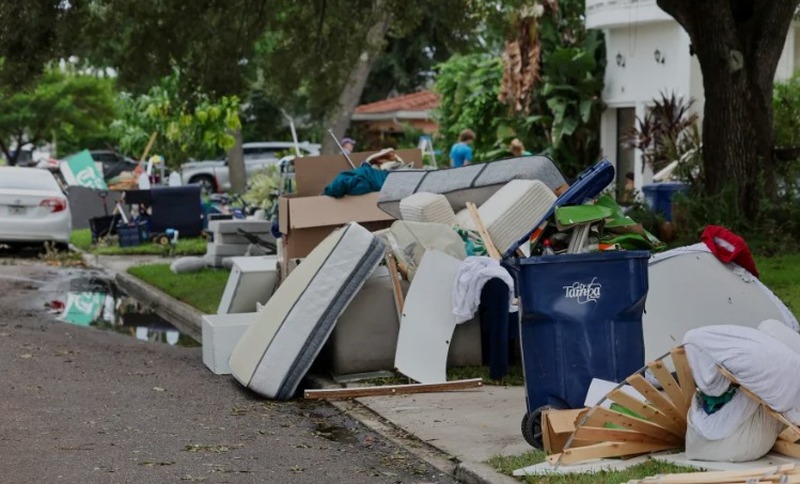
(83, 405)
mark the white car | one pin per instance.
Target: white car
(213, 174)
(33, 208)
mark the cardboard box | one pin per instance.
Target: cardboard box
(306, 217)
(557, 426)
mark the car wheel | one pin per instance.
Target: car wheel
(207, 184)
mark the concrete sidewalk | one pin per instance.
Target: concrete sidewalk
(457, 432)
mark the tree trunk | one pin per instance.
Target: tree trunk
(338, 118)
(236, 169)
(738, 44)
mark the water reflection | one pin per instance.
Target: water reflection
(97, 302)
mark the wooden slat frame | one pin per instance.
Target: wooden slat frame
(656, 399)
(720, 477)
(684, 371)
(647, 411)
(397, 289)
(671, 387)
(605, 449)
(601, 416)
(602, 434)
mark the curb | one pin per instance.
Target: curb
(184, 317)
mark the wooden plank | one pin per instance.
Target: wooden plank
(668, 383)
(487, 240)
(685, 377)
(345, 393)
(656, 399)
(149, 146)
(791, 433)
(602, 416)
(391, 264)
(787, 448)
(720, 477)
(645, 410)
(605, 449)
(602, 434)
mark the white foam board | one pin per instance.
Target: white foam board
(693, 290)
(220, 333)
(251, 282)
(427, 326)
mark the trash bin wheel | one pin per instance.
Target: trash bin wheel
(532, 427)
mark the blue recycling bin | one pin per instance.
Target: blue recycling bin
(580, 317)
(658, 196)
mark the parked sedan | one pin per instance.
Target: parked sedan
(32, 207)
(214, 176)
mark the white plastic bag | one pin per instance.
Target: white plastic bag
(750, 441)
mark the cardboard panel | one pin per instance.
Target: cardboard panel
(300, 242)
(306, 212)
(314, 173)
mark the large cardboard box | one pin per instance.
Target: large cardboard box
(306, 217)
(558, 426)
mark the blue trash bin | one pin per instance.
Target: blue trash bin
(658, 196)
(580, 318)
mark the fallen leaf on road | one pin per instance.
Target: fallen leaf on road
(26, 355)
(159, 389)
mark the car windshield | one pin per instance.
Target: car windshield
(27, 179)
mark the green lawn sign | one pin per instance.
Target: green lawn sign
(80, 170)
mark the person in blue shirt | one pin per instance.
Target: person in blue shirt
(461, 152)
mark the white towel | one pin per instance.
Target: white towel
(473, 273)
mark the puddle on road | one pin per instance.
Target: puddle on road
(335, 433)
(94, 300)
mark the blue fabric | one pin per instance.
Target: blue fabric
(363, 179)
(460, 153)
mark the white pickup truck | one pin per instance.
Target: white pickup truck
(214, 176)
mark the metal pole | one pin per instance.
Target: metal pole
(294, 133)
(336, 140)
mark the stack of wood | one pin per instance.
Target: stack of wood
(787, 473)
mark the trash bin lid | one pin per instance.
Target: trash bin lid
(587, 185)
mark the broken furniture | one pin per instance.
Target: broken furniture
(220, 334)
(252, 281)
(282, 342)
(472, 183)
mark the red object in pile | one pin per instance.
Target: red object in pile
(729, 247)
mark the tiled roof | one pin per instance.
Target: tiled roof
(418, 101)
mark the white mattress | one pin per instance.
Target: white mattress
(472, 183)
(427, 207)
(280, 345)
(514, 210)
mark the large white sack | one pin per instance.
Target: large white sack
(760, 363)
(750, 441)
(782, 333)
(724, 421)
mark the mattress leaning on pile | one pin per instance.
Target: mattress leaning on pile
(278, 348)
(471, 183)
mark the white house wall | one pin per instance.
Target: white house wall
(640, 77)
